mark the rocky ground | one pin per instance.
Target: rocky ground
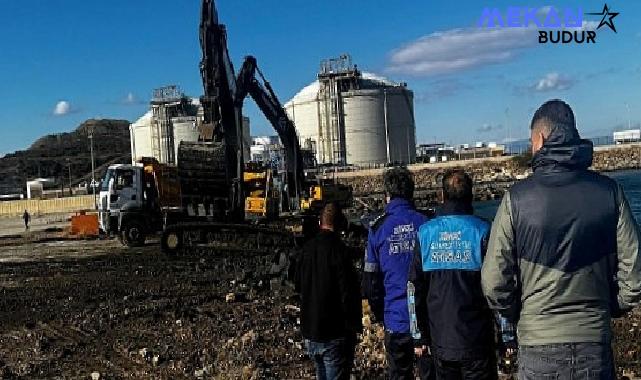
(491, 177)
(93, 309)
(76, 308)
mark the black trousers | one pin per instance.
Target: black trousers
(399, 350)
(481, 369)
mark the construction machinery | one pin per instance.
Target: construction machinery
(262, 193)
(206, 200)
(137, 200)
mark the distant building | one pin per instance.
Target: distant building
(435, 153)
(36, 188)
(627, 136)
(480, 150)
(267, 150)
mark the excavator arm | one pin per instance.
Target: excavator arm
(265, 98)
(211, 169)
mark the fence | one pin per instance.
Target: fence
(46, 206)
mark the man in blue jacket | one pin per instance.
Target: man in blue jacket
(390, 246)
(452, 316)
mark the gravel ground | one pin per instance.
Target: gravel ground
(76, 308)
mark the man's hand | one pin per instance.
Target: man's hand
(419, 351)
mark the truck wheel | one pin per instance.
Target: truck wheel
(133, 234)
(170, 242)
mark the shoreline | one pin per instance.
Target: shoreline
(492, 176)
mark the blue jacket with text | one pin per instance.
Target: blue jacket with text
(452, 315)
(390, 247)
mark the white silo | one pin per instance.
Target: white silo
(365, 136)
(185, 129)
(399, 106)
(303, 109)
(355, 118)
(140, 137)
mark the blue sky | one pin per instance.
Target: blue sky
(64, 61)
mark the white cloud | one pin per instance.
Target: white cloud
(464, 48)
(486, 128)
(460, 49)
(553, 82)
(62, 108)
(131, 100)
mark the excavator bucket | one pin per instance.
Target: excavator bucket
(202, 168)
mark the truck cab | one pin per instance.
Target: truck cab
(122, 191)
(139, 200)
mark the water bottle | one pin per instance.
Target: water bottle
(411, 305)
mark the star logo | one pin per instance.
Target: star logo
(606, 15)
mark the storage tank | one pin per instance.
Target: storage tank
(365, 134)
(355, 118)
(140, 137)
(185, 129)
(399, 105)
(303, 109)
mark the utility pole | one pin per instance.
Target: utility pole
(93, 169)
(507, 126)
(627, 105)
(69, 167)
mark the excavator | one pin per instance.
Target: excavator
(212, 172)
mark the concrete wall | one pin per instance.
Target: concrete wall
(46, 206)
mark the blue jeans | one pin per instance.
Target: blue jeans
(333, 359)
(567, 361)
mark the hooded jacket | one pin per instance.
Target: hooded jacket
(563, 254)
(390, 247)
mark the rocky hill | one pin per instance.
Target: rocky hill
(52, 156)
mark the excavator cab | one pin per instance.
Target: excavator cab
(261, 194)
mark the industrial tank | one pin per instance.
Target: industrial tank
(140, 136)
(303, 109)
(365, 135)
(185, 129)
(356, 118)
(399, 105)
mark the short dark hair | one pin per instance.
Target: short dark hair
(553, 113)
(332, 215)
(457, 186)
(399, 183)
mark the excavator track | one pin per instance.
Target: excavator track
(221, 238)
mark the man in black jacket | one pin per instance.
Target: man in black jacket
(450, 313)
(331, 313)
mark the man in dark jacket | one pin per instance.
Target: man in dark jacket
(563, 255)
(390, 246)
(451, 314)
(331, 313)
(27, 219)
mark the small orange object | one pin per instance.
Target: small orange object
(84, 225)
